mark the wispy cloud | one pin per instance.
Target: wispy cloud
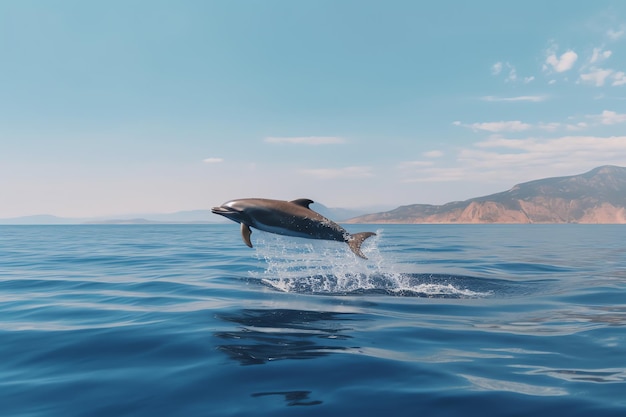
(615, 34)
(608, 117)
(408, 165)
(534, 99)
(496, 68)
(619, 78)
(576, 126)
(512, 73)
(495, 127)
(499, 67)
(498, 159)
(591, 73)
(562, 63)
(353, 172)
(212, 160)
(596, 76)
(437, 174)
(433, 154)
(306, 140)
(599, 55)
(560, 149)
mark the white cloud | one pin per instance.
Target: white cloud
(212, 160)
(552, 126)
(529, 79)
(518, 98)
(577, 126)
(539, 158)
(503, 126)
(512, 73)
(599, 55)
(561, 145)
(307, 140)
(510, 161)
(596, 76)
(415, 164)
(337, 173)
(620, 78)
(563, 63)
(500, 142)
(433, 154)
(496, 68)
(608, 117)
(437, 174)
(616, 34)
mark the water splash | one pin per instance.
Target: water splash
(321, 267)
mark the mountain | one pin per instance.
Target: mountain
(597, 196)
(188, 216)
(335, 213)
(179, 217)
(191, 216)
(38, 219)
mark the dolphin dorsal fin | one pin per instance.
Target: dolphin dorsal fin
(304, 202)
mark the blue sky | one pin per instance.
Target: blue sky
(142, 106)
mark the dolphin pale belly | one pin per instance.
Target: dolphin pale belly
(289, 218)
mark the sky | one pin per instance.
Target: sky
(154, 106)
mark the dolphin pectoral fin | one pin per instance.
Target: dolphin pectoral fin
(356, 240)
(245, 234)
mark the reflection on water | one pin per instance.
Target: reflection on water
(292, 397)
(615, 375)
(571, 320)
(489, 384)
(270, 335)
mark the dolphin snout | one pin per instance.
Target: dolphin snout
(229, 212)
(223, 210)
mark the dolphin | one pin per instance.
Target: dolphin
(290, 218)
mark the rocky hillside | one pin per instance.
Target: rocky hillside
(598, 196)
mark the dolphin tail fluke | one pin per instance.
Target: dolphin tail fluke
(356, 240)
(245, 234)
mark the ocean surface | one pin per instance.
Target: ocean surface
(185, 320)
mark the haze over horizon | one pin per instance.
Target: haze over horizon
(158, 107)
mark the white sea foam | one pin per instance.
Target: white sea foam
(323, 267)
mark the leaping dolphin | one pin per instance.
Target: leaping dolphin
(290, 218)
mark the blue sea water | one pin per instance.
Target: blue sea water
(185, 320)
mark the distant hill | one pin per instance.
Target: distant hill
(179, 217)
(598, 196)
(336, 214)
(38, 219)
